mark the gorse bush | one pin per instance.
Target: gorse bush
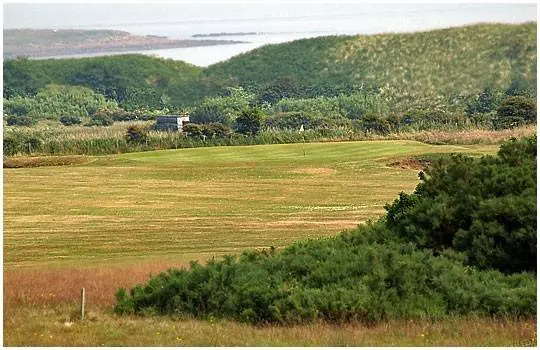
(137, 134)
(515, 111)
(355, 276)
(70, 120)
(384, 270)
(485, 208)
(222, 109)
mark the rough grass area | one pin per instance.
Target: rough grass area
(50, 327)
(34, 162)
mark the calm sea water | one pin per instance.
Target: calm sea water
(343, 20)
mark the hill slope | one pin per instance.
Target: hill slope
(456, 61)
(113, 76)
(438, 68)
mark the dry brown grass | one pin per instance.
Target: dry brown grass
(465, 137)
(48, 327)
(59, 286)
(40, 161)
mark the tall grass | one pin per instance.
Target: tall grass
(78, 140)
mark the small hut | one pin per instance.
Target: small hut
(171, 122)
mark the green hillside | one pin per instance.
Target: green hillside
(450, 62)
(439, 69)
(125, 78)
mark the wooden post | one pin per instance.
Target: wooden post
(82, 304)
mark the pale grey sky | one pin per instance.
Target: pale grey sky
(64, 15)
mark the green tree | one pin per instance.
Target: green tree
(249, 121)
(515, 111)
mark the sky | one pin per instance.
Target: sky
(81, 15)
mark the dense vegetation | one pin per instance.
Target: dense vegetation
(435, 69)
(394, 268)
(439, 68)
(481, 76)
(133, 81)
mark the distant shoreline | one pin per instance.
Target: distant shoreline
(48, 43)
(211, 35)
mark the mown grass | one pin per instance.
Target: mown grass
(110, 222)
(199, 201)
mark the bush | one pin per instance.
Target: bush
(15, 120)
(55, 101)
(11, 146)
(249, 122)
(470, 212)
(100, 118)
(377, 125)
(137, 134)
(193, 130)
(70, 120)
(361, 275)
(485, 102)
(216, 130)
(515, 111)
(485, 208)
(221, 109)
(294, 120)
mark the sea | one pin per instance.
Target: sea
(257, 30)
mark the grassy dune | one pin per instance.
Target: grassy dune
(111, 221)
(411, 67)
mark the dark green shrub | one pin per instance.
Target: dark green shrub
(515, 111)
(137, 134)
(360, 275)
(477, 215)
(375, 124)
(20, 120)
(216, 130)
(485, 102)
(120, 114)
(70, 120)
(249, 121)
(100, 118)
(11, 146)
(193, 130)
(484, 207)
(283, 87)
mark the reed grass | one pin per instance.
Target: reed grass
(111, 140)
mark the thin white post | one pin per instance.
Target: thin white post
(82, 304)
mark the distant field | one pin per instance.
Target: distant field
(111, 221)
